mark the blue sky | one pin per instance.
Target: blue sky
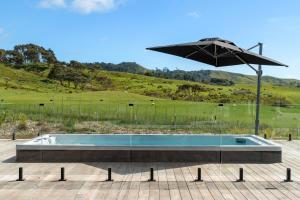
(120, 30)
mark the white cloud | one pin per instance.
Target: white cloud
(194, 14)
(3, 34)
(52, 3)
(82, 6)
(89, 6)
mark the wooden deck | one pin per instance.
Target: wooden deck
(173, 180)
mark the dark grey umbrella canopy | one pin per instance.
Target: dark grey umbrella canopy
(216, 52)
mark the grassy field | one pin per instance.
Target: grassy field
(109, 111)
(69, 110)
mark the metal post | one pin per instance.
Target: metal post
(241, 178)
(109, 175)
(151, 175)
(62, 174)
(259, 75)
(290, 137)
(14, 136)
(199, 177)
(288, 175)
(21, 174)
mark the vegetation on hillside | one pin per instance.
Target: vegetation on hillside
(37, 63)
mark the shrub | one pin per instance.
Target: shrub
(45, 129)
(22, 124)
(2, 117)
(281, 102)
(224, 100)
(242, 92)
(69, 125)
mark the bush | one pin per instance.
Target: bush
(281, 102)
(69, 125)
(224, 100)
(47, 81)
(2, 117)
(22, 125)
(33, 67)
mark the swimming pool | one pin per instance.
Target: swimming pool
(149, 148)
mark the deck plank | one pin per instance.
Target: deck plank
(173, 180)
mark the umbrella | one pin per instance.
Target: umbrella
(216, 52)
(219, 53)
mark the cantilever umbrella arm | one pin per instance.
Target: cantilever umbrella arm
(257, 45)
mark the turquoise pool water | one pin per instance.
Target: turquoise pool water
(149, 140)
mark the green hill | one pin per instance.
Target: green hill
(102, 80)
(34, 68)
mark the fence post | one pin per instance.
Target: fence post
(14, 134)
(241, 175)
(20, 174)
(151, 175)
(62, 174)
(288, 175)
(199, 176)
(109, 175)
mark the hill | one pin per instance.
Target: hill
(35, 58)
(213, 77)
(34, 68)
(102, 80)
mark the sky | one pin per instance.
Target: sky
(120, 30)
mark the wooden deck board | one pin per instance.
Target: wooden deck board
(173, 180)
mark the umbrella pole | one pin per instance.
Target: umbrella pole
(259, 75)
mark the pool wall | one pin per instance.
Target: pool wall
(148, 156)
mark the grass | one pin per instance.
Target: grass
(109, 111)
(146, 86)
(147, 113)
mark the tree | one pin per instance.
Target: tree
(76, 65)
(30, 52)
(2, 56)
(35, 54)
(48, 56)
(14, 57)
(57, 72)
(79, 79)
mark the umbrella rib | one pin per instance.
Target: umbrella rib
(223, 54)
(215, 55)
(189, 55)
(242, 60)
(205, 51)
(196, 51)
(228, 52)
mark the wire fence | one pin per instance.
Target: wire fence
(154, 117)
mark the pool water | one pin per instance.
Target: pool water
(148, 140)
